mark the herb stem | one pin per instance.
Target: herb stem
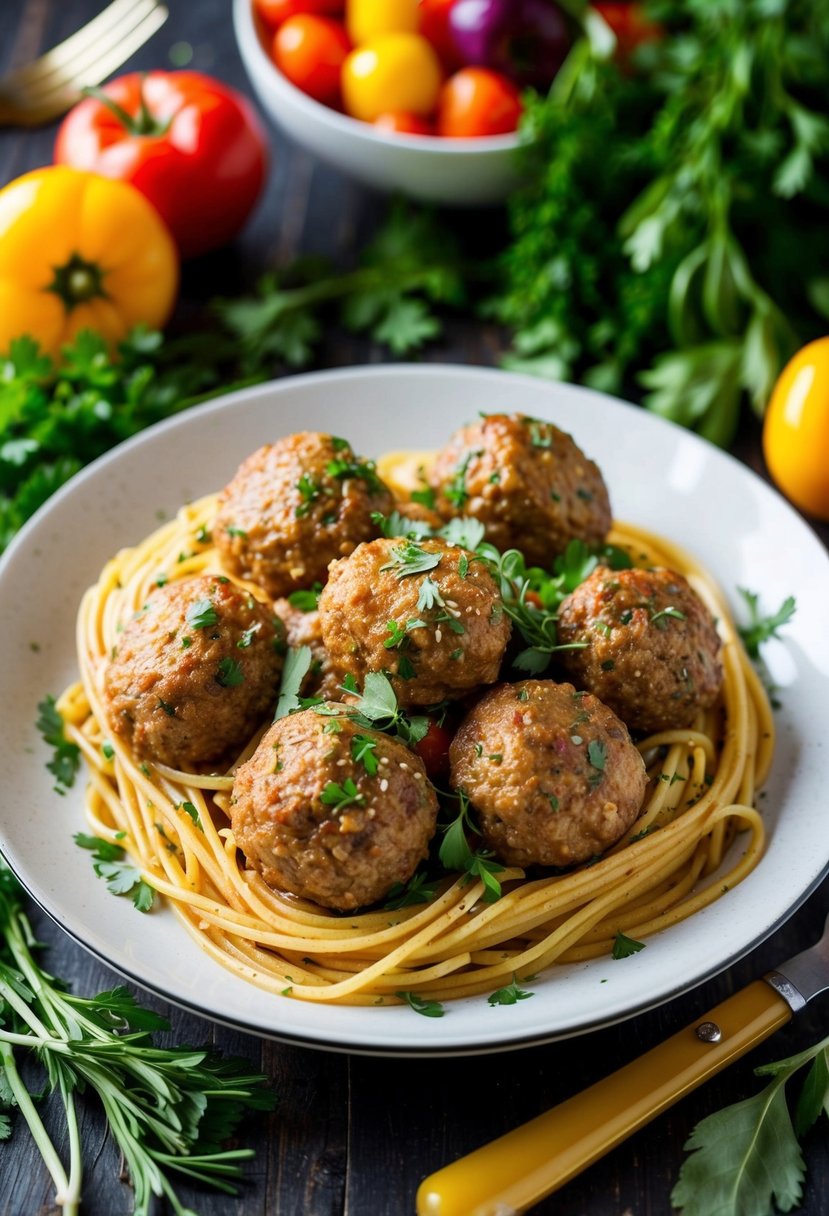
(46, 1148)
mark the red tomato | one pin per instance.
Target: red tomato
(311, 51)
(532, 597)
(404, 123)
(274, 12)
(433, 749)
(629, 23)
(478, 101)
(190, 144)
(434, 25)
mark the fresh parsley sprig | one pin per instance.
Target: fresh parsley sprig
(122, 876)
(458, 856)
(66, 758)
(762, 628)
(169, 1110)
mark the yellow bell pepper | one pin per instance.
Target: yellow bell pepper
(78, 251)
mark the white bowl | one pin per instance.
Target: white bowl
(459, 172)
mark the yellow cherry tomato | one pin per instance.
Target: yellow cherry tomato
(78, 251)
(796, 430)
(393, 72)
(366, 19)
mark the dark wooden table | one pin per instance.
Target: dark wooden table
(355, 1135)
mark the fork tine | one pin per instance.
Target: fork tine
(52, 75)
(99, 29)
(61, 88)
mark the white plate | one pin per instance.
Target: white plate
(659, 476)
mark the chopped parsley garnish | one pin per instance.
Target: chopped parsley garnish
(170, 710)
(463, 531)
(66, 759)
(406, 669)
(306, 601)
(456, 855)
(121, 876)
(376, 708)
(463, 566)
(429, 595)
(297, 663)
(229, 673)
(341, 796)
(624, 946)
(309, 491)
(410, 558)
(660, 619)
(510, 995)
(456, 492)
(347, 470)
(248, 636)
(418, 890)
(202, 614)
(107, 750)
(760, 628)
(362, 752)
(597, 755)
(541, 433)
(235, 530)
(421, 1004)
(426, 498)
(190, 809)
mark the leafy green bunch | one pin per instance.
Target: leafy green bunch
(170, 1109)
(672, 234)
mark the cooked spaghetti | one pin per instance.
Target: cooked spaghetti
(675, 859)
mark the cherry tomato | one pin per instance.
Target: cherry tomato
(404, 123)
(310, 51)
(629, 23)
(796, 430)
(190, 144)
(434, 25)
(394, 72)
(532, 597)
(274, 12)
(433, 749)
(477, 101)
(368, 19)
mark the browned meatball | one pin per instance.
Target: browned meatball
(293, 507)
(302, 628)
(426, 612)
(653, 653)
(194, 673)
(317, 822)
(551, 772)
(528, 482)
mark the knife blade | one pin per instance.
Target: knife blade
(510, 1174)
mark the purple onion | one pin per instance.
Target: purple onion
(526, 40)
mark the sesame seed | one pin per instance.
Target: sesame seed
(404, 765)
(371, 812)
(341, 763)
(418, 776)
(384, 785)
(384, 759)
(438, 635)
(451, 603)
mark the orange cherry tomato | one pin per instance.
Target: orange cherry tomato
(274, 12)
(532, 597)
(310, 51)
(433, 750)
(403, 123)
(796, 430)
(478, 101)
(392, 72)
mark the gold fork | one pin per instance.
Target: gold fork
(44, 89)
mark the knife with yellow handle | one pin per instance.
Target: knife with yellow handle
(517, 1170)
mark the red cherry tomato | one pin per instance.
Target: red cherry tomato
(433, 750)
(404, 123)
(311, 51)
(532, 597)
(434, 25)
(478, 101)
(274, 12)
(190, 144)
(629, 23)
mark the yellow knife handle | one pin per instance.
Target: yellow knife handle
(520, 1168)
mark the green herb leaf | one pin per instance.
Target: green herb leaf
(229, 673)
(362, 752)
(509, 995)
(66, 758)
(339, 796)
(422, 1005)
(761, 628)
(297, 663)
(624, 947)
(410, 558)
(202, 614)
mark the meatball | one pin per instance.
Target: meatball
(427, 613)
(317, 822)
(293, 507)
(527, 482)
(551, 772)
(652, 654)
(302, 628)
(194, 673)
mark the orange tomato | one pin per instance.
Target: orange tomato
(403, 123)
(478, 101)
(79, 251)
(796, 430)
(311, 51)
(367, 19)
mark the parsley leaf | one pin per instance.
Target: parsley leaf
(761, 628)
(429, 595)
(624, 946)
(509, 995)
(122, 876)
(420, 1004)
(202, 614)
(297, 663)
(418, 890)
(410, 558)
(66, 759)
(362, 752)
(306, 601)
(229, 673)
(340, 796)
